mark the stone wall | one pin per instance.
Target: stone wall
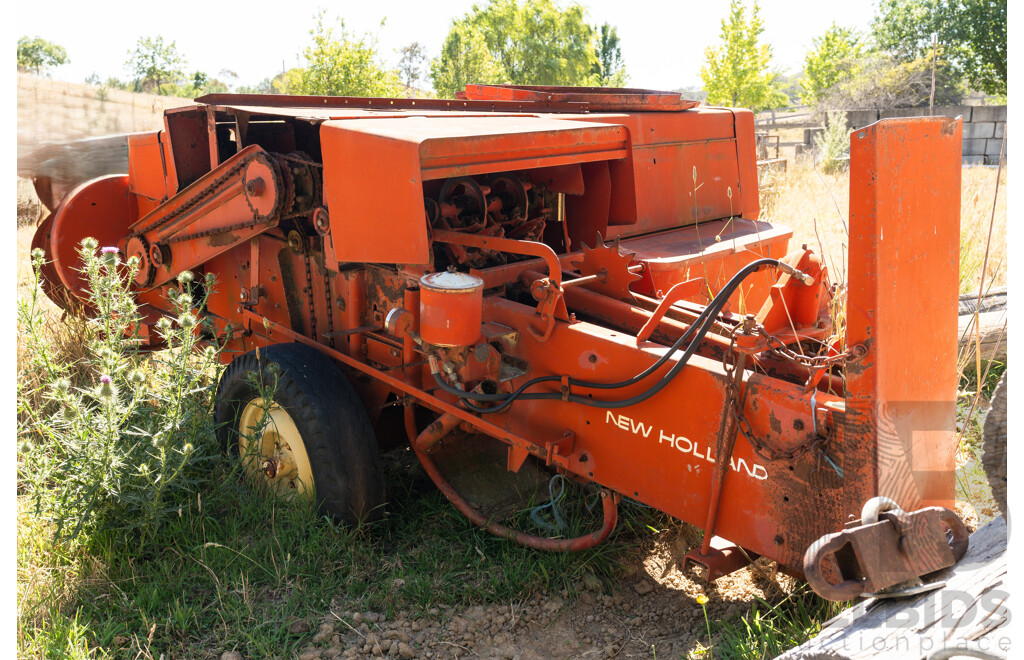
(983, 127)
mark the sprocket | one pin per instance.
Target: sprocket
(608, 261)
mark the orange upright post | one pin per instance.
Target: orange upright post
(903, 285)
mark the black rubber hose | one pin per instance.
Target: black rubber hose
(704, 322)
(587, 401)
(723, 295)
(716, 303)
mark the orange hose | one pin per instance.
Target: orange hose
(433, 433)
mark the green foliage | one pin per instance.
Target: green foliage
(265, 86)
(971, 36)
(111, 438)
(340, 64)
(609, 70)
(36, 54)
(464, 59)
(737, 72)
(767, 630)
(833, 146)
(884, 82)
(155, 64)
(835, 57)
(235, 556)
(532, 43)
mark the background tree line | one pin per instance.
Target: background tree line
(539, 42)
(533, 42)
(890, 66)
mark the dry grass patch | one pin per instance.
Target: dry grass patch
(816, 207)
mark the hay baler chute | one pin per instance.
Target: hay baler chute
(578, 274)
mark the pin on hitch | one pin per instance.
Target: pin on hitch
(885, 553)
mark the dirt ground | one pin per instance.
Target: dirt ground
(650, 613)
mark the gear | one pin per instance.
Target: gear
(254, 187)
(607, 261)
(137, 246)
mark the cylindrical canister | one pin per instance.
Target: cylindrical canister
(451, 308)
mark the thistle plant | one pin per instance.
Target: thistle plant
(112, 437)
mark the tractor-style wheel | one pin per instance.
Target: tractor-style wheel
(994, 445)
(300, 429)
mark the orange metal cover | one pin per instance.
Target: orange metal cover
(374, 170)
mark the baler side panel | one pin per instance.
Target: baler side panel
(903, 286)
(670, 149)
(374, 170)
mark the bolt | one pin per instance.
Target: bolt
(254, 187)
(779, 540)
(592, 358)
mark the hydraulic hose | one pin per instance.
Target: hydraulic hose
(701, 326)
(609, 500)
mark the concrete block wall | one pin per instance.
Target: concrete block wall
(982, 134)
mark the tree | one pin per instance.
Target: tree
(464, 59)
(410, 67)
(155, 64)
(886, 82)
(36, 54)
(609, 70)
(736, 72)
(971, 36)
(342, 65)
(834, 58)
(533, 43)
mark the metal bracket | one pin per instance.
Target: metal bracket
(886, 553)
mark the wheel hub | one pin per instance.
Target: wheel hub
(272, 450)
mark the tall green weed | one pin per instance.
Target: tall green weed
(111, 436)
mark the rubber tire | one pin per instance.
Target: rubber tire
(994, 445)
(335, 429)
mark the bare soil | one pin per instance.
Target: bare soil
(651, 611)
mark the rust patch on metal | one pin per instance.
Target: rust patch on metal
(226, 238)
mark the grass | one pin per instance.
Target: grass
(769, 629)
(815, 206)
(235, 568)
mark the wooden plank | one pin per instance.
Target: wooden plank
(992, 328)
(969, 612)
(990, 301)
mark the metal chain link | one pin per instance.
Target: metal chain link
(309, 280)
(778, 349)
(200, 196)
(761, 447)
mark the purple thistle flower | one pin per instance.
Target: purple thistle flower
(105, 379)
(109, 250)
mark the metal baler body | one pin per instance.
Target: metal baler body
(675, 186)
